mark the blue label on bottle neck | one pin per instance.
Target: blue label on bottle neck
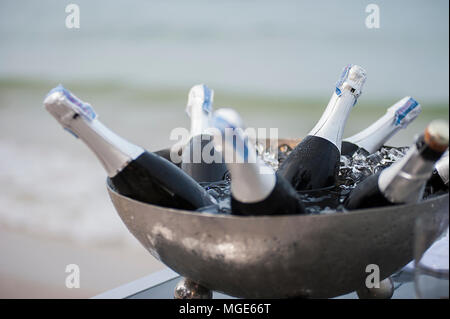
(402, 112)
(342, 79)
(222, 124)
(243, 150)
(207, 100)
(84, 109)
(71, 132)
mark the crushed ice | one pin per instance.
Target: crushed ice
(353, 169)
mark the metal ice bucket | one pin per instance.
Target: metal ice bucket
(312, 256)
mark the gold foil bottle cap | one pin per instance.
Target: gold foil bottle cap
(436, 135)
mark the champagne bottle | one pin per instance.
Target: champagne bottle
(256, 189)
(397, 117)
(405, 180)
(439, 179)
(200, 159)
(314, 162)
(132, 171)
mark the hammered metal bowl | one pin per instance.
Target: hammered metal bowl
(306, 256)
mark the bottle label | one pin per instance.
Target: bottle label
(342, 79)
(231, 132)
(405, 110)
(71, 132)
(207, 99)
(200, 96)
(82, 108)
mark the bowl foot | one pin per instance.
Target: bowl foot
(386, 290)
(188, 289)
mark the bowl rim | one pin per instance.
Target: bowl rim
(243, 217)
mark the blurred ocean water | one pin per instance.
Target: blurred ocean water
(276, 62)
(274, 47)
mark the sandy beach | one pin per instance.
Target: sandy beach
(33, 266)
